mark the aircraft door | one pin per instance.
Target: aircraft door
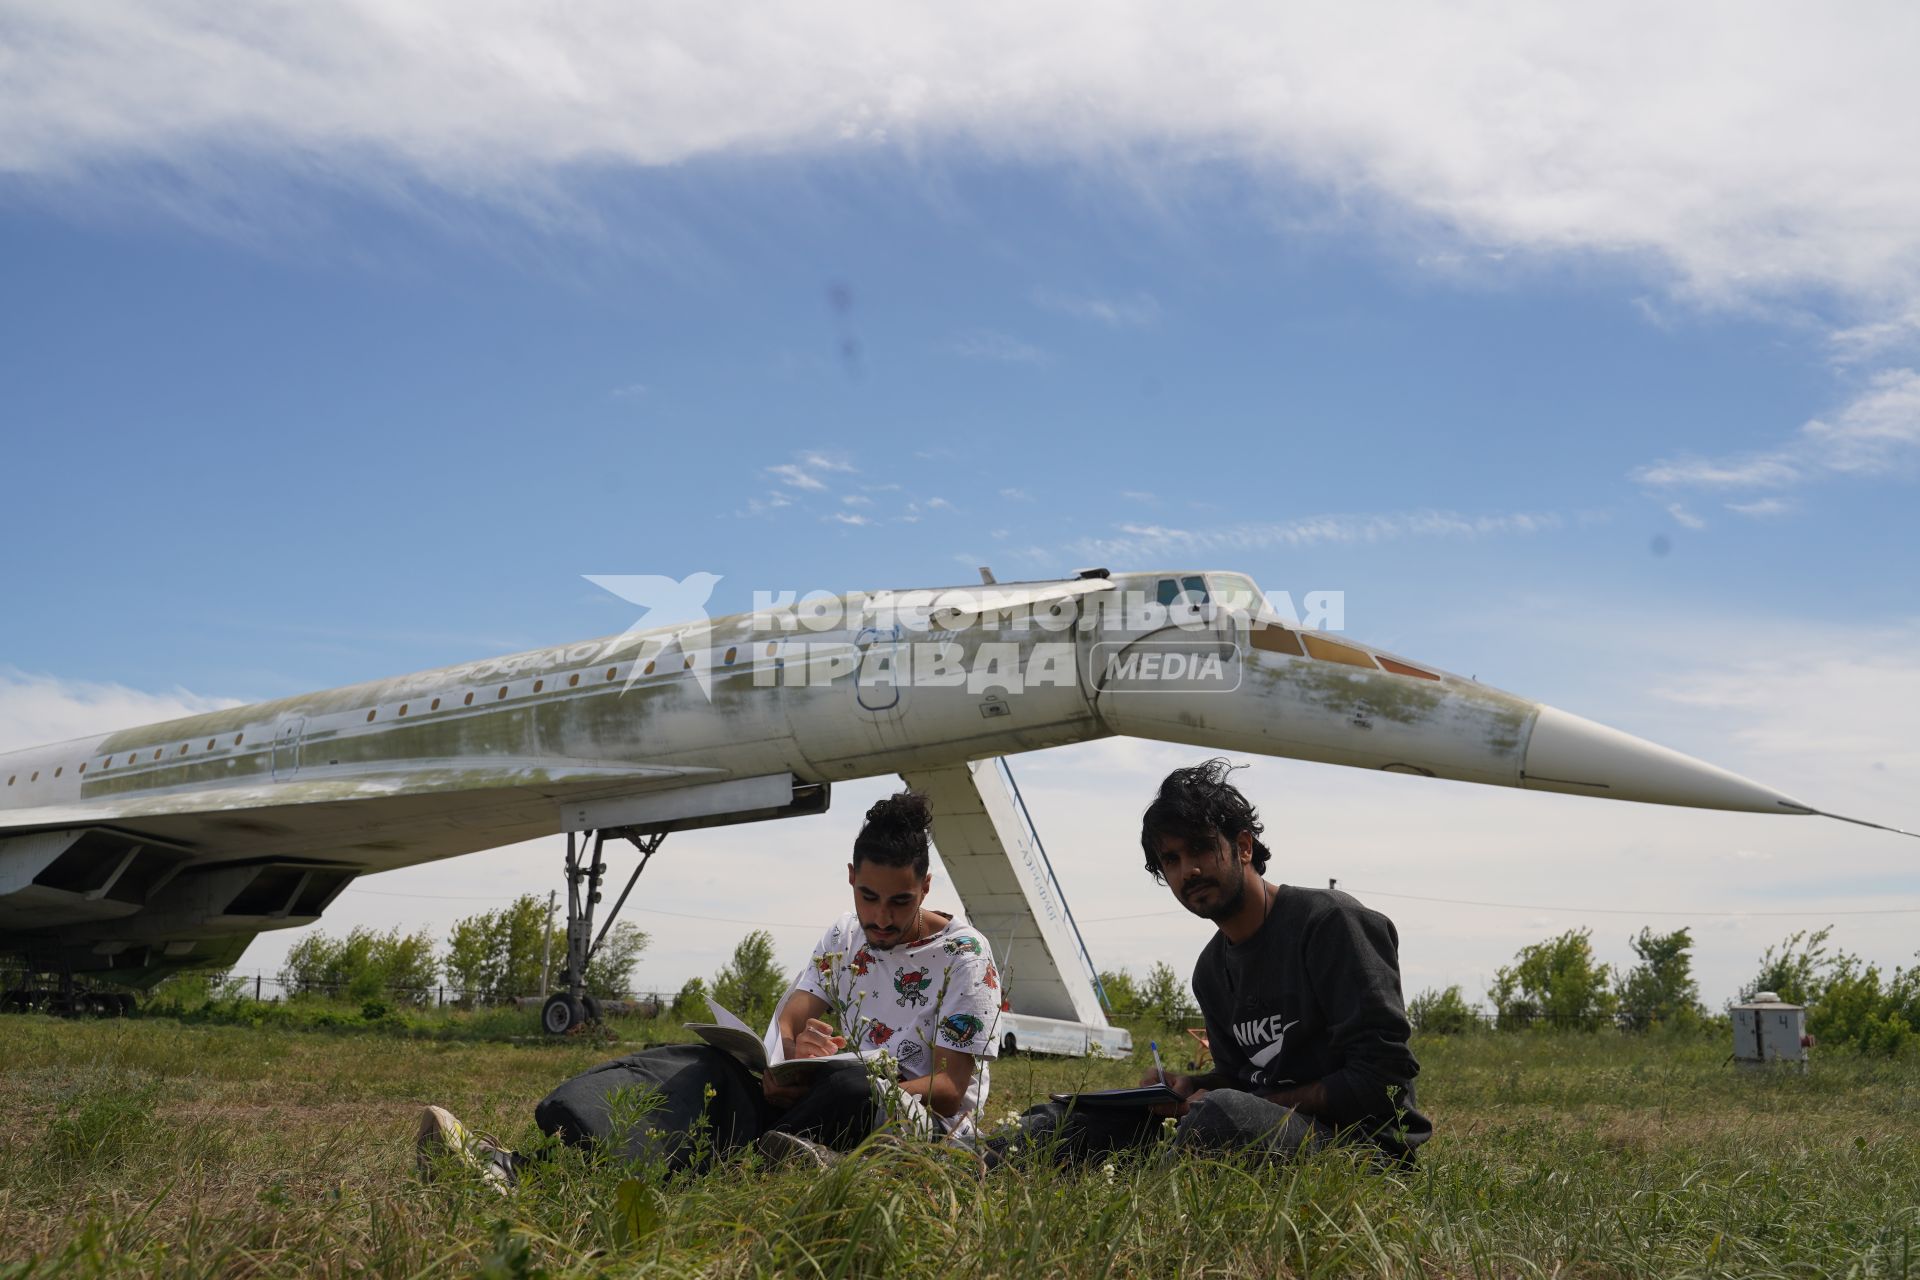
(881, 680)
(286, 747)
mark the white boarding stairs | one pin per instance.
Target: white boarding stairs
(991, 850)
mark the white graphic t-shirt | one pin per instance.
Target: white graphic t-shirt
(940, 992)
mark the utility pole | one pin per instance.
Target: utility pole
(546, 946)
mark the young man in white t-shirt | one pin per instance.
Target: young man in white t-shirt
(911, 990)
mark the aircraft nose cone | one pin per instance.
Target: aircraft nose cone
(1571, 754)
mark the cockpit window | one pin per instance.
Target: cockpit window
(1169, 591)
(1237, 594)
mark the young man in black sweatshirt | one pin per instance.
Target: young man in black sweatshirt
(1300, 989)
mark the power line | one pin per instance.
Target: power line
(655, 911)
(1534, 906)
(1180, 911)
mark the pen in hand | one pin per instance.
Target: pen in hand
(1154, 1045)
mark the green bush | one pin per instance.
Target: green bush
(1554, 983)
(1849, 1004)
(1442, 1013)
(364, 965)
(1660, 990)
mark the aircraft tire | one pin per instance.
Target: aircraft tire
(593, 1009)
(561, 1014)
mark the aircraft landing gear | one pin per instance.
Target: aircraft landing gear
(571, 1006)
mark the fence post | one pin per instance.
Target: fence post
(256, 988)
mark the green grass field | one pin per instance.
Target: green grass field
(154, 1147)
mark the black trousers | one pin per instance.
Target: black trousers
(688, 1104)
(1226, 1120)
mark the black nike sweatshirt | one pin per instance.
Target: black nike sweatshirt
(1314, 995)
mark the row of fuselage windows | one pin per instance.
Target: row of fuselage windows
(1193, 589)
(500, 694)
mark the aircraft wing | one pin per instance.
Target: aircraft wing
(385, 816)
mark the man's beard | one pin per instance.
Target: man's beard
(1227, 899)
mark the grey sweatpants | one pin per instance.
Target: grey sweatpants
(1226, 1120)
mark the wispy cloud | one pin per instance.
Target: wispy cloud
(1684, 518)
(1016, 495)
(1152, 539)
(1875, 339)
(1506, 135)
(810, 470)
(1874, 433)
(765, 506)
(1761, 508)
(1003, 348)
(1755, 471)
(1116, 313)
(849, 517)
(799, 477)
(632, 391)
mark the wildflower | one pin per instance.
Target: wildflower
(711, 1093)
(1108, 1169)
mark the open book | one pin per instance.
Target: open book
(1151, 1095)
(732, 1036)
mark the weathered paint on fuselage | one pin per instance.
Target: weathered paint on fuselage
(585, 703)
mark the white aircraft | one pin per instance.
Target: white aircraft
(136, 853)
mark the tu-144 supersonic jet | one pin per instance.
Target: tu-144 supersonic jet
(131, 854)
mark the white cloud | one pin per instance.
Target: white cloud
(36, 710)
(1004, 348)
(1874, 433)
(825, 462)
(939, 504)
(1117, 313)
(1746, 149)
(765, 506)
(1685, 518)
(848, 517)
(1016, 495)
(1753, 472)
(1859, 344)
(799, 477)
(807, 471)
(1760, 508)
(856, 500)
(1132, 540)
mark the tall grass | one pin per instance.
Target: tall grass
(153, 1147)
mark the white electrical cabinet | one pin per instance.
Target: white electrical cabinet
(1768, 1029)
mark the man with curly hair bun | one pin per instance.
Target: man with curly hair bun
(911, 990)
(1300, 990)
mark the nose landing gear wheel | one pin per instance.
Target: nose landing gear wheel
(561, 1014)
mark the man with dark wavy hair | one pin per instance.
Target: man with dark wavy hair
(1300, 990)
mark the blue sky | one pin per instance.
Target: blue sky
(308, 388)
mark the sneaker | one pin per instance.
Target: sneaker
(781, 1149)
(441, 1138)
